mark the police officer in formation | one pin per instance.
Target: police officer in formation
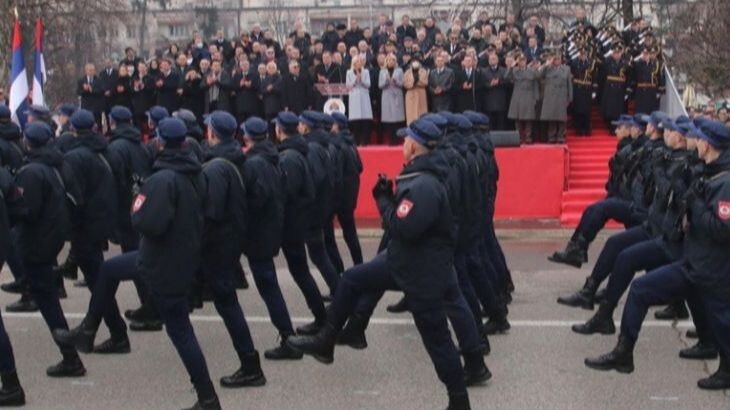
(190, 222)
(700, 274)
(670, 183)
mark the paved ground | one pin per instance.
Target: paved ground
(538, 365)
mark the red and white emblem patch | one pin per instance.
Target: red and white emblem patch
(404, 208)
(138, 202)
(723, 210)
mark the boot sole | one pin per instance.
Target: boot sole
(117, 351)
(620, 369)
(78, 373)
(482, 379)
(575, 265)
(595, 332)
(713, 387)
(284, 358)
(323, 359)
(584, 306)
(256, 383)
(698, 357)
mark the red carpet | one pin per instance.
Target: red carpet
(587, 170)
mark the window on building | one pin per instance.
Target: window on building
(179, 30)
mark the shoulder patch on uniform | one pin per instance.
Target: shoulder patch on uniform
(723, 210)
(404, 208)
(138, 202)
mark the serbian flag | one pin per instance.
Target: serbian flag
(39, 75)
(18, 80)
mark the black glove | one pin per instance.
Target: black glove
(384, 187)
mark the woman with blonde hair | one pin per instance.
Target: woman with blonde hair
(359, 110)
(392, 115)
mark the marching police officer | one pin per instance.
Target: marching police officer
(225, 214)
(131, 163)
(352, 168)
(703, 271)
(299, 206)
(42, 230)
(11, 202)
(419, 260)
(65, 139)
(265, 199)
(323, 176)
(337, 159)
(169, 214)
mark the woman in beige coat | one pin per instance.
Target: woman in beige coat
(416, 99)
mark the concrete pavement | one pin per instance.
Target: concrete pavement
(538, 365)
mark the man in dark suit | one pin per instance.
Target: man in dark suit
(405, 29)
(533, 51)
(108, 78)
(468, 81)
(296, 90)
(327, 73)
(167, 85)
(91, 91)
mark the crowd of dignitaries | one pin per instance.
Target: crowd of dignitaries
(669, 185)
(184, 206)
(394, 72)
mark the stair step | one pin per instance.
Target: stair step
(590, 159)
(590, 195)
(588, 166)
(583, 175)
(587, 183)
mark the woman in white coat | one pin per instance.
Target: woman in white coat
(359, 110)
(392, 101)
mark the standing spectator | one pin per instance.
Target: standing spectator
(143, 95)
(354, 35)
(405, 29)
(296, 89)
(108, 79)
(270, 90)
(431, 30)
(246, 88)
(167, 84)
(526, 92)
(648, 81)
(122, 90)
(440, 82)
(533, 50)
(583, 72)
(193, 89)
(558, 94)
(415, 81)
(130, 60)
(359, 109)
(496, 93)
(330, 38)
(223, 45)
(91, 91)
(217, 84)
(613, 96)
(392, 103)
(327, 73)
(376, 92)
(468, 83)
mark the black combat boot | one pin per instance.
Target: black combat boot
(485, 342)
(136, 314)
(459, 401)
(398, 307)
(70, 366)
(497, 322)
(475, 370)
(283, 351)
(11, 394)
(575, 253)
(353, 334)
(80, 337)
(25, 304)
(119, 345)
(675, 311)
(702, 350)
(145, 319)
(720, 380)
(691, 334)
(621, 358)
(68, 269)
(311, 328)
(601, 322)
(16, 286)
(600, 295)
(320, 346)
(249, 375)
(584, 298)
(207, 399)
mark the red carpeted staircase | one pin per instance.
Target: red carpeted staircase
(588, 169)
